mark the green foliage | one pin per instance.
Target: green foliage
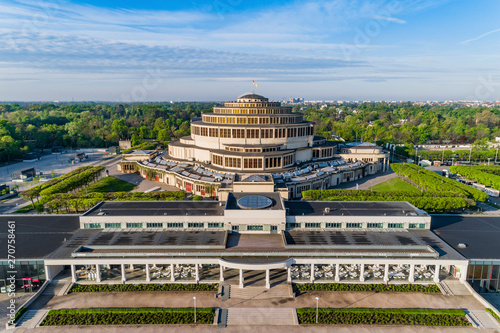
(25, 209)
(428, 201)
(378, 287)
(395, 184)
(130, 316)
(19, 314)
(109, 184)
(74, 182)
(362, 316)
(483, 174)
(85, 288)
(197, 198)
(83, 201)
(431, 181)
(493, 314)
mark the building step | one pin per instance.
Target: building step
(32, 318)
(261, 316)
(445, 289)
(279, 291)
(483, 319)
(456, 287)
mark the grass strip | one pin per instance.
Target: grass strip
(368, 287)
(366, 316)
(128, 316)
(142, 287)
(490, 311)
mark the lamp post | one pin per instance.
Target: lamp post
(194, 298)
(470, 154)
(317, 304)
(496, 155)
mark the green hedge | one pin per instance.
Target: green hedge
(143, 287)
(368, 287)
(136, 316)
(361, 316)
(485, 175)
(76, 181)
(19, 314)
(431, 181)
(493, 314)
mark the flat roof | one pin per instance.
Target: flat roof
(37, 236)
(481, 234)
(157, 208)
(233, 197)
(353, 208)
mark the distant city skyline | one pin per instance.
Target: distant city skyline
(134, 51)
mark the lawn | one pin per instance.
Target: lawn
(394, 184)
(110, 184)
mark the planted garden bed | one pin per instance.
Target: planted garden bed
(361, 316)
(85, 288)
(368, 287)
(136, 316)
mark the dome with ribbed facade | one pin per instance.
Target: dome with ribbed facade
(251, 97)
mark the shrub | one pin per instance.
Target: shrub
(368, 287)
(362, 316)
(493, 314)
(142, 287)
(128, 316)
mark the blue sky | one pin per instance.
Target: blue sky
(211, 50)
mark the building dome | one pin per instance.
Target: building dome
(251, 97)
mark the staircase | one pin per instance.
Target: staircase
(32, 318)
(456, 287)
(482, 319)
(445, 289)
(279, 291)
(261, 316)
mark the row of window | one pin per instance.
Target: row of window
(252, 133)
(251, 120)
(356, 225)
(250, 105)
(322, 153)
(250, 163)
(153, 225)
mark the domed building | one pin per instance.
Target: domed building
(251, 134)
(254, 145)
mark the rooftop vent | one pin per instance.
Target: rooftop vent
(327, 210)
(101, 213)
(462, 245)
(165, 213)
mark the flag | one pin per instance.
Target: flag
(255, 84)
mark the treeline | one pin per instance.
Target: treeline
(76, 202)
(406, 122)
(483, 174)
(428, 201)
(24, 128)
(432, 182)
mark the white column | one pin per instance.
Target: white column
(124, 276)
(312, 273)
(362, 273)
(131, 266)
(221, 273)
(436, 273)
(172, 277)
(48, 273)
(241, 278)
(197, 273)
(268, 279)
(289, 274)
(386, 273)
(337, 272)
(148, 275)
(98, 273)
(411, 278)
(73, 274)
(463, 273)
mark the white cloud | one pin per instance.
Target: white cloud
(480, 36)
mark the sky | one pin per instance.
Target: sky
(152, 50)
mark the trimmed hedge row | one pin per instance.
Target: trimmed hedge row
(368, 287)
(361, 316)
(137, 316)
(76, 181)
(87, 288)
(431, 181)
(482, 174)
(493, 314)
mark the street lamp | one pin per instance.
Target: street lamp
(194, 298)
(317, 304)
